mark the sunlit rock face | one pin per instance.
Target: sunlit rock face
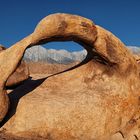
(20, 74)
(97, 99)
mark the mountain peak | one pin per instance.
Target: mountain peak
(39, 53)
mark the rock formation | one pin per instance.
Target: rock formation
(97, 99)
(20, 74)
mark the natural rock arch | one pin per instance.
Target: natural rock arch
(104, 50)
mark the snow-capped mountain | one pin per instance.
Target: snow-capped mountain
(39, 53)
(135, 49)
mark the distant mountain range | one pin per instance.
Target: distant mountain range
(41, 54)
(135, 49)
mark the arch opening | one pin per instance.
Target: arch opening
(54, 57)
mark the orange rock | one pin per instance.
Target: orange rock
(94, 100)
(20, 74)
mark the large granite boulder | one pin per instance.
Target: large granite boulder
(96, 100)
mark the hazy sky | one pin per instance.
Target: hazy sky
(18, 18)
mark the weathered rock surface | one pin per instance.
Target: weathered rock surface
(20, 74)
(97, 99)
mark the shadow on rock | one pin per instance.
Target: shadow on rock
(29, 85)
(14, 96)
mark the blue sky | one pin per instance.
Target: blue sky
(19, 18)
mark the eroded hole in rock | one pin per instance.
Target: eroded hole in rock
(44, 61)
(54, 57)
